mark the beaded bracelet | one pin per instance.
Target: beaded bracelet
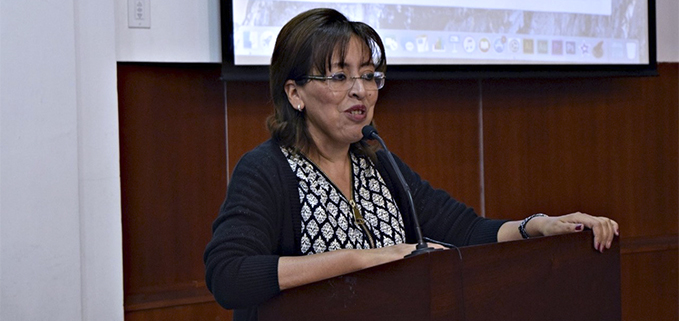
(522, 226)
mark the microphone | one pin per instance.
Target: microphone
(369, 132)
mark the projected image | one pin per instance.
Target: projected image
(469, 31)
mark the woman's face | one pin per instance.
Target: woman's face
(336, 117)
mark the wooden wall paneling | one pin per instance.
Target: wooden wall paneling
(649, 285)
(206, 311)
(607, 146)
(173, 179)
(248, 105)
(433, 125)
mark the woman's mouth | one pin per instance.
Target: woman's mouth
(357, 113)
(356, 110)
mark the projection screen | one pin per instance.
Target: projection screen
(468, 32)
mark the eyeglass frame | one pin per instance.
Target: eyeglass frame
(376, 75)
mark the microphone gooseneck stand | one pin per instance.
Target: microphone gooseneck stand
(369, 132)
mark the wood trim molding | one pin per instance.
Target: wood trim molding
(168, 297)
(649, 244)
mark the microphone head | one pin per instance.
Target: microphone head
(368, 132)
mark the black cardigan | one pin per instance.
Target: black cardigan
(260, 221)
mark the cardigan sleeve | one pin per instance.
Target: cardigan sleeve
(442, 217)
(241, 267)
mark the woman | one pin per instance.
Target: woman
(316, 188)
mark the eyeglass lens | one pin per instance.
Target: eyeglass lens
(369, 83)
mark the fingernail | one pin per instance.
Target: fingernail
(578, 227)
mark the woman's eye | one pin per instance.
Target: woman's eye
(338, 77)
(368, 76)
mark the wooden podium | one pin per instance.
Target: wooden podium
(549, 278)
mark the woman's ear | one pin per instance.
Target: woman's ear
(292, 90)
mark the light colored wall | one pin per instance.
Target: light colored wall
(189, 31)
(60, 230)
(181, 31)
(668, 30)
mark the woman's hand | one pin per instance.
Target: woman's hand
(299, 270)
(392, 253)
(603, 228)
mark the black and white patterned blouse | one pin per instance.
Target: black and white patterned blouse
(328, 221)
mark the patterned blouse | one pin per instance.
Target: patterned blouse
(330, 221)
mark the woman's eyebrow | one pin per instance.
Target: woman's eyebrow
(344, 64)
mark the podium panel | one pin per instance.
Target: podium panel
(549, 278)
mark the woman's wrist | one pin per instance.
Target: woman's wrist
(532, 226)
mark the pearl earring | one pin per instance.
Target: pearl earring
(299, 107)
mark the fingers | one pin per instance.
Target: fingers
(617, 228)
(609, 230)
(561, 225)
(403, 249)
(394, 252)
(436, 246)
(575, 227)
(603, 228)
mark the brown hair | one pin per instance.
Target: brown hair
(305, 44)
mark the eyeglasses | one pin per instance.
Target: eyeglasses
(371, 81)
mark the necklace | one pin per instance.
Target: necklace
(358, 217)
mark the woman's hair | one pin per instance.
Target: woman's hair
(306, 44)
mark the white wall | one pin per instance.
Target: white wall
(181, 31)
(60, 229)
(668, 30)
(189, 31)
